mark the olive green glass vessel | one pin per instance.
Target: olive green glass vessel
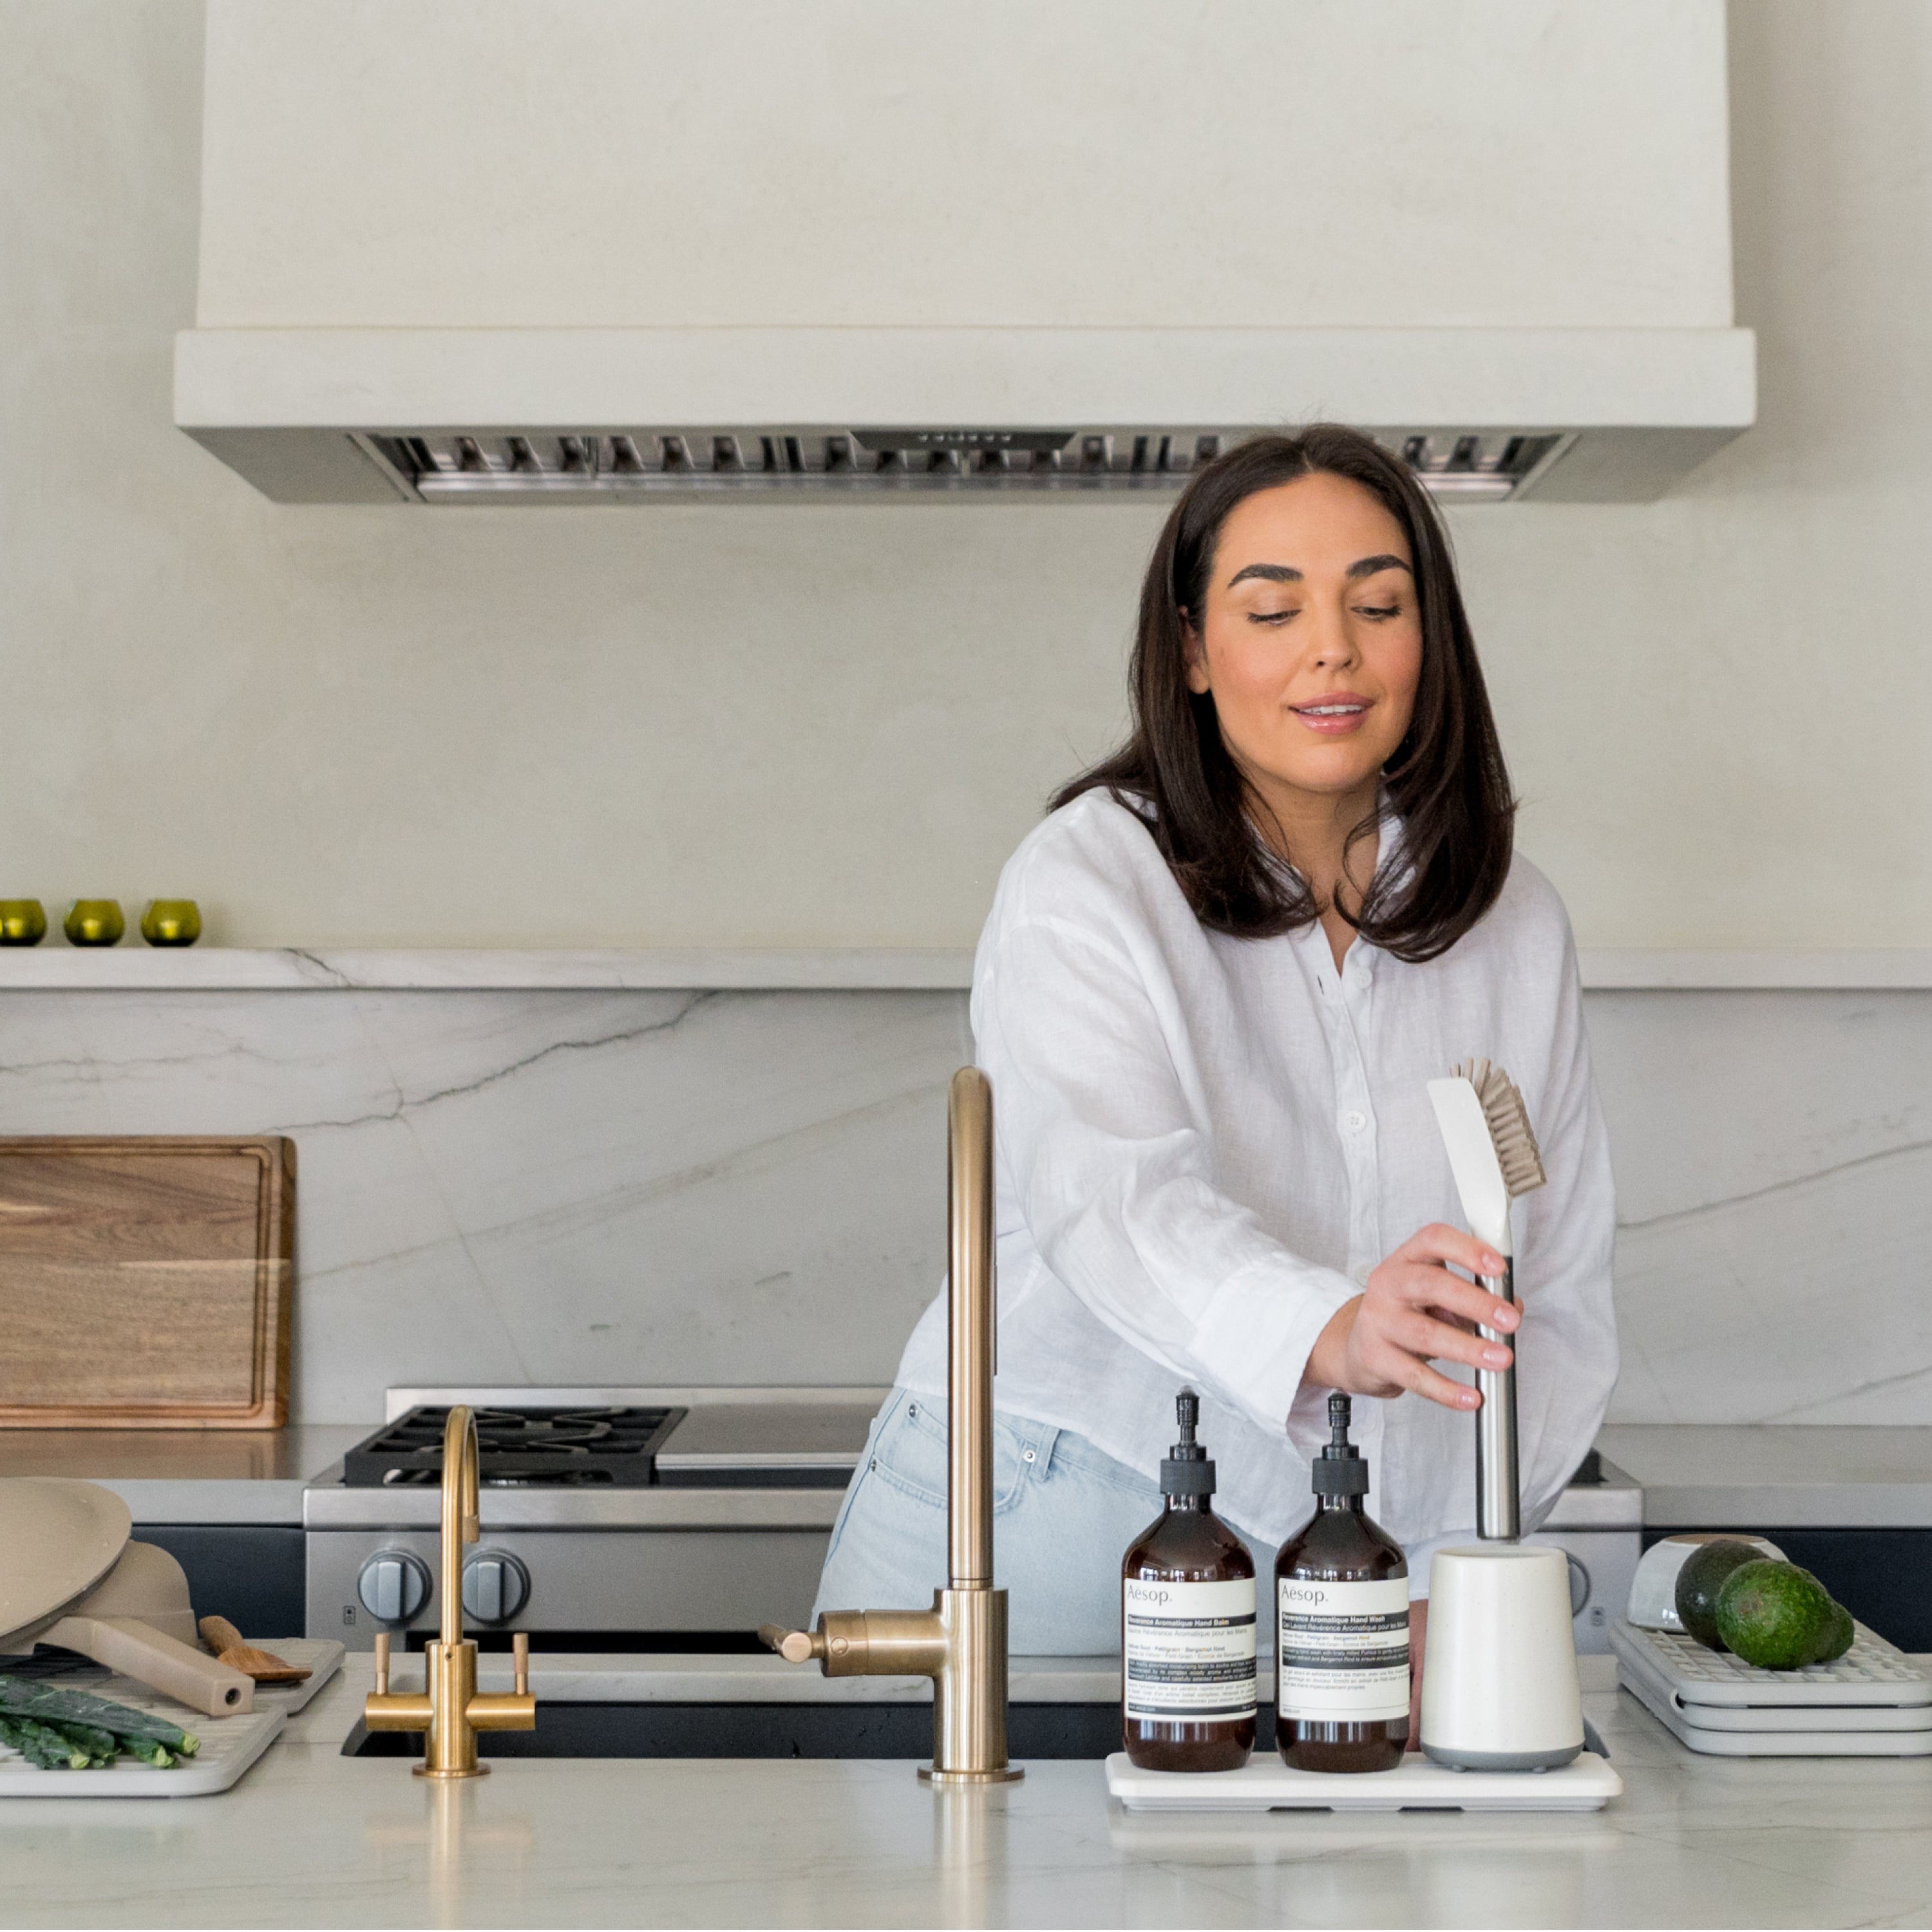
(23, 921)
(171, 923)
(93, 922)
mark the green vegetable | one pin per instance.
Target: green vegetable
(21, 1697)
(1835, 1638)
(42, 1746)
(1700, 1579)
(102, 1747)
(1773, 1615)
(149, 1750)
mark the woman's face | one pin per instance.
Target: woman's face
(1312, 640)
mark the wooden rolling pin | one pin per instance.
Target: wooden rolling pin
(226, 1641)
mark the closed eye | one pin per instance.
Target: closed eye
(1378, 610)
(1271, 616)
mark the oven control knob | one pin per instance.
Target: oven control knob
(393, 1586)
(495, 1586)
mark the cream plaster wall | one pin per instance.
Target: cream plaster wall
(1094, 164)
(824, 726)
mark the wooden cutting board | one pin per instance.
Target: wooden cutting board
(144, 1281)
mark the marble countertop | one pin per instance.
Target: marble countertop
(309, 1838)
(1693, 1476)
(188, 1475)
(1798, 1476)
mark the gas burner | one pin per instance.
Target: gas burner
(535, 1447)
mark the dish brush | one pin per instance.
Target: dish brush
(1494, 1157)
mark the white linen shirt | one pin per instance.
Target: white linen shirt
(1204, 1145)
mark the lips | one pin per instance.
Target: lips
(1333, 712)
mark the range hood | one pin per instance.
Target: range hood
(1041, 250)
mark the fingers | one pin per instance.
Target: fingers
(1421, 1335)
(1425, 1381)
(1424, 1286)
(1440, 1243)
(1393, 1354)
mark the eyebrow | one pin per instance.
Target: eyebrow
(1286, 573)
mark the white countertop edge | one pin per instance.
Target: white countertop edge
(922, 969)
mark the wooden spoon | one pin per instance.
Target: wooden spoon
(225, 1640)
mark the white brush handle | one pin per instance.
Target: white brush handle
(1499, 1492)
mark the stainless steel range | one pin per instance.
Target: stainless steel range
(613, 1519)
(654, 1519)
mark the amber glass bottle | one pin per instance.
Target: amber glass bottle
(1341, 1624)
(1187, 1624)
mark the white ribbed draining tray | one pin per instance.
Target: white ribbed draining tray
(1831, 1720)
(1756, 1742)
(228, 1746)
(1265, 1783)
(1873, 1672)
(322, 1655)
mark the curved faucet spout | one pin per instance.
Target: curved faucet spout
(961, 1643)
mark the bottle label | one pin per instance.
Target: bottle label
(1189, 1650)
(1343, 1657)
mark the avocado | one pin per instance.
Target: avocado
(1836, 1638)
(1773, 1615)
(1698, 1582)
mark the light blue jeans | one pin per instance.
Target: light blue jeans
(1064, 1514)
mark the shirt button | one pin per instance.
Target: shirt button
(1355, 1120)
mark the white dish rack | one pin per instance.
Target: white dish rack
(228, 1746)
(1874, 1701)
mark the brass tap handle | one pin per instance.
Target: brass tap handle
(520, 1662)
(794, 1646)
(382, 1663)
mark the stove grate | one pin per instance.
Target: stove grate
(535, 1447)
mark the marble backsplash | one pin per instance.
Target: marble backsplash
(598, 1185)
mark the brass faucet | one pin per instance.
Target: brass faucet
(449, 1708)
(961, 1643)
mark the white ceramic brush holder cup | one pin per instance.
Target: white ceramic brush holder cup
(1499, 1690)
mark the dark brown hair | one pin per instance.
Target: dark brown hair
(1446, 781)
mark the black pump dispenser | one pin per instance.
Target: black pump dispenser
(1342, 1676)
(1188, 1624)
(1340, 1471)
(1188, 1470)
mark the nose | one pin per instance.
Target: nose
(1331, 637)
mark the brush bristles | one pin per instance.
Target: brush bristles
(1516, 1151)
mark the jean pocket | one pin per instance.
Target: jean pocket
(910, 1451)
(912, 1454)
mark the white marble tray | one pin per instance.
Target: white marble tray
(228, 1746)
(1873, 1672)
(1587, 1783)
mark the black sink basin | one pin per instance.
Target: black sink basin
(769, 1730)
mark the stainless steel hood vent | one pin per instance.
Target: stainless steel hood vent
(499, 466)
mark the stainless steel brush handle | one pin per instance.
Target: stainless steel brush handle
(1498, 1498)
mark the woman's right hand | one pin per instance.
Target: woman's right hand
(1410, 1314)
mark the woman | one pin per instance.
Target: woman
(1213, 984)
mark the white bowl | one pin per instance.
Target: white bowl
(1653, 1597)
